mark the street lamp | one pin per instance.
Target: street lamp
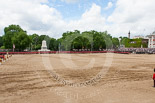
(92, 44)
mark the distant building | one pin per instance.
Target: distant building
(145, 41)
(138, 37)
(151, 42)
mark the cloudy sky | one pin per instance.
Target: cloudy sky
(53, 17)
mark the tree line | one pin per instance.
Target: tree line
(70, 40)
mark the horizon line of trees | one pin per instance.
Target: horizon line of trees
(70, 40)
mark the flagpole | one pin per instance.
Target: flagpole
(13, 47)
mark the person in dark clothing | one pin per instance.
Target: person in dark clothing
(154, 77)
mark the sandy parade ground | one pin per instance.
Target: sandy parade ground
(78, 78)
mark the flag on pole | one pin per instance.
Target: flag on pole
(14, 47)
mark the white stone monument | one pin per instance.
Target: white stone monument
(44, 46)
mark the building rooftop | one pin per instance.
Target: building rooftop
(150, 35)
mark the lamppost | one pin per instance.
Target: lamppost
(59, 47)
(119, 41)
(92, 44)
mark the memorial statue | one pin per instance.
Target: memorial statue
(44, 46)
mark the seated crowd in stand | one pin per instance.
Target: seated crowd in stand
(138, 50)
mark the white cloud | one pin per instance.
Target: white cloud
(90, 20)
(42, 19)
(37, 17)
(134, 15)
(32, 16)
(110, 5)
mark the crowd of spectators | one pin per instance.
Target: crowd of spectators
(138, 50)
(130, 50)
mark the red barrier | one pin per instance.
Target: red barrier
(2, 56)
(64, 52)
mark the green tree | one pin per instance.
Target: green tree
(99, 41)
(34, 41)
(125, 41)
(1, 41)
(115, 42)
(14, 34)
(54, 44)
(10, 32)
(86, 40)
(21, 41)
(80, 43)
(108, 40)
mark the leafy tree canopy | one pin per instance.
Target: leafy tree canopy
(14, 34)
